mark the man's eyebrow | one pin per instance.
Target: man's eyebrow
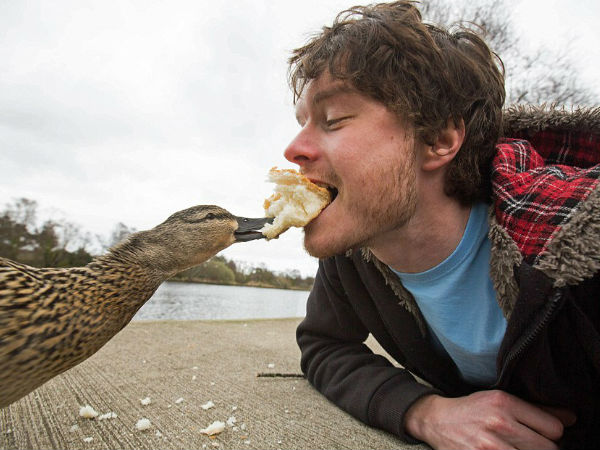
(332, 92)
(323, 95)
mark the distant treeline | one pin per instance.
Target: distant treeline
(221, 270)
(58, 243)
(45, 245)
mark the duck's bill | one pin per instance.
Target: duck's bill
(249, 229)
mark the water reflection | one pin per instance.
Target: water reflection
(190, 301)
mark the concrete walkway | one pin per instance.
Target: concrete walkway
(181, 366)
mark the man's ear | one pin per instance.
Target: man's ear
(446, 146)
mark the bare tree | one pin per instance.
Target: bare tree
(24, 212)
(119, 233)
(542, 76)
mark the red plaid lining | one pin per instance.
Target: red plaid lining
(534, 199)
(578, 149)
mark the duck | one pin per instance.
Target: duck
(52, 319)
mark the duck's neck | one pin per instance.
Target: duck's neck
(129, 276)
(148, 254)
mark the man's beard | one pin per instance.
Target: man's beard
(388, 208)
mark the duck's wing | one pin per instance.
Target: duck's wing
(11, 270)
(29, 328)
(20, 288)
(51, 319)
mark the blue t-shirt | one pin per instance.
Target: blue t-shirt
(458, 301)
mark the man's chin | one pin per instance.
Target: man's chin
(318, 252)
(324, 246)
(314, 245)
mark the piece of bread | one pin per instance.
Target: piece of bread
(295, 203)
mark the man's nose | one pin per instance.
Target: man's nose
(303, 149)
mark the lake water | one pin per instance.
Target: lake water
(192, 301)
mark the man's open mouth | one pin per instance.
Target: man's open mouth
(332, 189)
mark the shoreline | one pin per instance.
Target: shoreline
(259, 285)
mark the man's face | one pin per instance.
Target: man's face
(358, 148)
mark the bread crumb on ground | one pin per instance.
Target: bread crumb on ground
(209, 404)
(179, 400)
(214, 428)
(88, 439)
(143, 424)
(108, 415)
(145, 401)
(231, 421)
(87, 412)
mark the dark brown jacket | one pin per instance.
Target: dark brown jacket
(549, 293)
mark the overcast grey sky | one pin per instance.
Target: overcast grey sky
(127, 111)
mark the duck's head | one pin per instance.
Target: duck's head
(191, 236)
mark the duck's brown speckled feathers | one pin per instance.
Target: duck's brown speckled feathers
(52, 319)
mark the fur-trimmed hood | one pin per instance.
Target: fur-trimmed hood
(546, 184)
(526, 120)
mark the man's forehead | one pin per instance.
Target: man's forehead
(322, 88)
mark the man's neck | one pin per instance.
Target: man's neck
(431, 235)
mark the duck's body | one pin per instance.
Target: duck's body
(52, 319)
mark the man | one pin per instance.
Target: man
(470, 259)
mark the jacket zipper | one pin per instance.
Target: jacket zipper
(525, 341)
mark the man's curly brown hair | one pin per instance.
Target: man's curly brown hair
(425, 74)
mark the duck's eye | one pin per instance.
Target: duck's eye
(209, 216)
